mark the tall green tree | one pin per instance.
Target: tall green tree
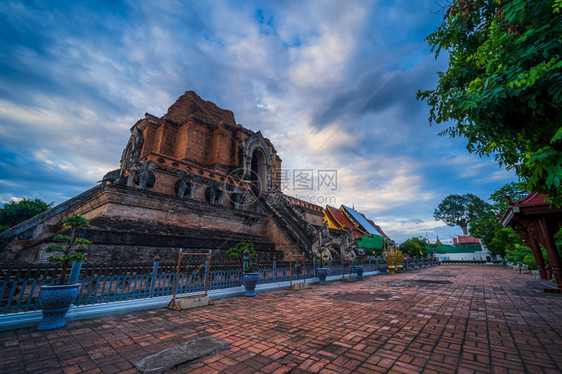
(16, 212)
(503, 86)
(414, 247)
(459, 210)
(486, 224)
(501, 197)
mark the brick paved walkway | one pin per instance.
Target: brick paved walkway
(443, 319)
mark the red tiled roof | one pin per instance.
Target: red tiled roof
(465, 239)
(338, 219)
(532, 199)
(533, 203)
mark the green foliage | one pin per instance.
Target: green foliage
(506, 241)
(371, 252)
(516, 251)
(519, 253)
(487, 226)
(459, 210)
(502, 90)
(69, 248)
(4, 228)
(17, 212)
(359, 260)
(242, 249)
(558, 242)
(515, 191)
(484, 226)
(323, 257)
(414, 247)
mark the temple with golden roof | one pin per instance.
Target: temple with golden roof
(367, 233)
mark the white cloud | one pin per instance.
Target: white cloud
(33, 117)
(79, 86)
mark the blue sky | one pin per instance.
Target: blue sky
(333, 85)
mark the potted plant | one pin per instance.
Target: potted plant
(245, 253)
(55, 299)
(358, 266)
(323, 258)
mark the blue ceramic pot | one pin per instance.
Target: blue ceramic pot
(250, 280)
(322, 274)
(359, 271)
(55, 300)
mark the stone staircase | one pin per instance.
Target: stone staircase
(289, 220)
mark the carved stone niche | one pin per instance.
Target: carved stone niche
(257, 162)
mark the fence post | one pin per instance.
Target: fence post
(75, 272)
(154, 275)
(274, 269)
(207, 272)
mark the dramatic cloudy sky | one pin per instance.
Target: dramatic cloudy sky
(331, 83)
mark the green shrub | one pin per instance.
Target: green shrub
(68, 247)
(238, 252)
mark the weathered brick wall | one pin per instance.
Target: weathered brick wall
(313, 217)
(191, 105)
(282, 243)
(198, 135)
(145, 208)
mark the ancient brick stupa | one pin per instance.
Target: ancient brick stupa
(192, 179)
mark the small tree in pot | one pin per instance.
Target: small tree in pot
(323, 258)
(358, 265)
(245, 253)
(55, 300)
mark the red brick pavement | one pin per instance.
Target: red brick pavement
(446, 319)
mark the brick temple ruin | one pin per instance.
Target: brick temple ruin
(191, 179)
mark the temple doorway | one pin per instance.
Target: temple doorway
(258, 176)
